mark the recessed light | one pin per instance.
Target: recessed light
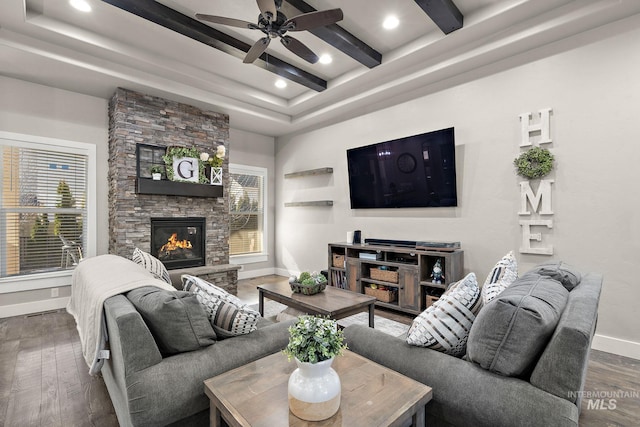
(325, 59)
(390, 22)
(81, 5)
(280, 84)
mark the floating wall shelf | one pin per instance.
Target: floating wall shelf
(314, 203)
(320, 171)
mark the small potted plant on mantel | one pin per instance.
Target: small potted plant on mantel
(314, 387)
(156, 172)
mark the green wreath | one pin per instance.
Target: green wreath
(534, 163)
(183, 152)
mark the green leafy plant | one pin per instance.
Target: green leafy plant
(534, 163)
(156, 169)
(307, 278)
(180, 152)
(313, 339)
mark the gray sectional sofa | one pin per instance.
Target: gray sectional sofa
(149, 390)
(465, 394)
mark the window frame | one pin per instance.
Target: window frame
(35, 281)
(262, 256)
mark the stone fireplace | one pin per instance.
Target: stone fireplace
(136, 118)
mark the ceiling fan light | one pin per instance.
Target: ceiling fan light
(280, 84)
(390, 22)
(81, 5)
(325, 59)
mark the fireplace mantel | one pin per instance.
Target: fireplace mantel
(174, 188)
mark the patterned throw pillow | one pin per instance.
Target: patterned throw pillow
(228, 315)
(445, 325)
(504, 273)
(152, 264)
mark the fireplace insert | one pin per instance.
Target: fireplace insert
(179, 242)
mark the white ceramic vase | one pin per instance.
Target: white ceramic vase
(156, 176)
(314, 391)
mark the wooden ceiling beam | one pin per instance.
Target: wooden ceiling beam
(196, 30)
(444, 13)
(341, 39)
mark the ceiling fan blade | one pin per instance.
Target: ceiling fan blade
(268, 9)
(299, 49)
(256, 50)
(311, 20)
(226, 21)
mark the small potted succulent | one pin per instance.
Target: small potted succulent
(314, 387)
(156, 172)
(308, 283)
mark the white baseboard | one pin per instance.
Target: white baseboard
(33, 307)
(250, 274)
(616, 346)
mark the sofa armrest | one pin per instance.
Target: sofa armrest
(463, 393)
(562, 367)
(132, 346)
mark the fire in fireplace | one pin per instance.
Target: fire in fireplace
(178, 242)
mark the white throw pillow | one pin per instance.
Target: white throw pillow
(504, 273)
(228, 315)
(444, 326)
(152, 264)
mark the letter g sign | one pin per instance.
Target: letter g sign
(186, 169)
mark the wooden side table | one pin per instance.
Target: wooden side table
(372, 395)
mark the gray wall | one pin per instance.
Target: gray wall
(594, 91)
(252, 149)
(33, 109)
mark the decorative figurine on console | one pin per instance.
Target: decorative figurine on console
(436, 273)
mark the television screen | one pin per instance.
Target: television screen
(415, 171)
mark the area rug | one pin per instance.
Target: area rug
(391, 327)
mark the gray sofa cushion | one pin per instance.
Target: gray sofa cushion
(176, 319)
(560, 271)
(510, 332)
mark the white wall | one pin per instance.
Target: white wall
(594, 91)
(252, 149)
(32, 109)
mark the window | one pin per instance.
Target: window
(45, 209)
(246, 208)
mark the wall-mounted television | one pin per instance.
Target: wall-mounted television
(411, 172)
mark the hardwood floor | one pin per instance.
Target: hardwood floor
(44, 380)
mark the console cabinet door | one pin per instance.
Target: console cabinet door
(353, 274)
(409, 294)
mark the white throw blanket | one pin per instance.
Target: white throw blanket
(94, 280)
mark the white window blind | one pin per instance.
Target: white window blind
(43, 209)
(246, 208)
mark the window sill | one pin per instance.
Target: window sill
(248, 259)
(30, 282)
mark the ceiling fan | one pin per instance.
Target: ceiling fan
(274, 24)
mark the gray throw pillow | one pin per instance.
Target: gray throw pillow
(510, 333)
(560, 271)
(176, 319)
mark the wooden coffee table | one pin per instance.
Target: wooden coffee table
(372, 395)
(332, 302)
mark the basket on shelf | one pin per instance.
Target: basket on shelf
(384, 275)
(338, 261)
(430, 300)
(384, 295)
